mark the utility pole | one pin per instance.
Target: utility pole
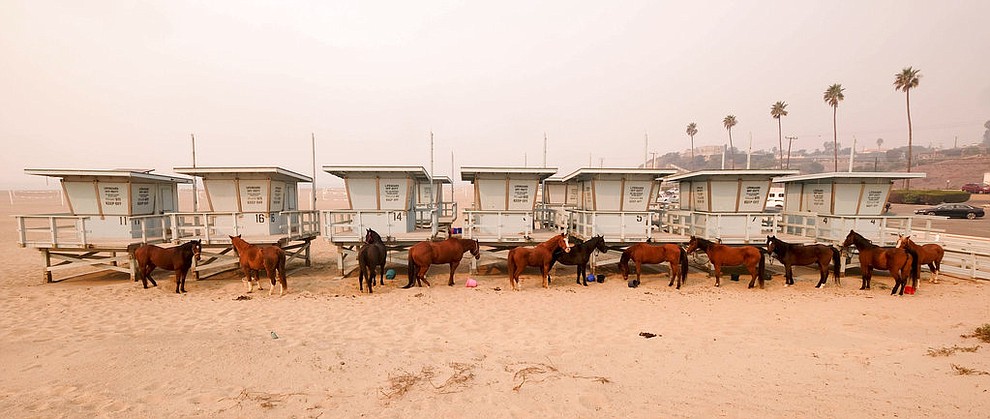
(545, 149)
(313, 137)
(195, 206)
(790, 140)
(646, 147)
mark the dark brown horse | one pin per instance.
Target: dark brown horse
(901, 263)
(641, 253)
(426, 253)
(930, 254)
(579, 256)
(539, 256)
(373, 253)
(254, 258)
(721, 255)
(791, 254)
(178, 259)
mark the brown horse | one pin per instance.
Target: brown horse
(426, 253)
(899, 262)
(721, 255)
(539, 256)
(804, 254)
(255, 258)
(647, 253)
(178, 259)
(930, 254)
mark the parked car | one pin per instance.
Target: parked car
(976, 188)
(953, 210)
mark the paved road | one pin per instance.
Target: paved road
(978, 227)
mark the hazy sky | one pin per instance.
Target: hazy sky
(100, 84)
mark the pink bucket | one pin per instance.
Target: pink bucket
(471, 283)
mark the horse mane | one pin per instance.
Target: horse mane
(863, 241)
(552, 240)
(375, 237)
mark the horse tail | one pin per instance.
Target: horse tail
(763, 265)
(684, 263)
(281, 265)
(624, 262)
(836, 261)
(915, 262)
(511, 267)
(411, 267)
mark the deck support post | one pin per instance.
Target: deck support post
(47, 279)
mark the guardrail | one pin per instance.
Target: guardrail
(214, 227)
(500, 225)
(613, 225)
(744, 227)
(77, 231)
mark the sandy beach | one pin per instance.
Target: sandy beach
(101, 346)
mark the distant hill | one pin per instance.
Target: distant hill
(956, 171)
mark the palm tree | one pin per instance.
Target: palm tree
(833, 95)
(692, 129)
(776, 111)
(906, 80)
(729, 122)
(879, 144)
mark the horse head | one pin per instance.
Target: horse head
(563, 243)
(771, 243)
(850, 239)
(475, 249)
(197, 248)
(693, 244)
(372, 237)
(236, 241)
(600, 244)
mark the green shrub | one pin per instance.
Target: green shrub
(927, 196)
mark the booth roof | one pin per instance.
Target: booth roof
(469, 173)
(345, 171)
(731, 174)
(277, 173)
(145, 175)
(587, 172)
(849, 175)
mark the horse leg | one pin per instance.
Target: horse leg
(420, 273)
(271, 277)
(545, 270)
(453, 267)
(718, 274)
(147, 276)
(932, 267)
(752, 271)
(178, 280)
(361, 278)
(381, 275)
(370, 278)
(247, 278)
(867, 274)
(639, 272)
(185, 272)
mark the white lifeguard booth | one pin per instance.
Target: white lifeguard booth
(504, 205)
(726, 205)
(615, 203)
(825, 206)
(557, 197)
(259, 203)
(403, 204)
(109, 210)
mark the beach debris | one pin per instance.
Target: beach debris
(400, 384)
(946, 351)
(265, 400)
(540, 372)
(649, 335)
(497, 289)
(418, 295)
(961, 370)
(981, 333)
(274, 336)
(242, 298)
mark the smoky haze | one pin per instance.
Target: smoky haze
(124, 84)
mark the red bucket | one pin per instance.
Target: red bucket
(908, 289)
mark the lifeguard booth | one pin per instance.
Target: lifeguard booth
(503, 212)
(825, 206)
(259, 203)
(109, 210)
(726, 205)
(615, 203)
(403, 204)
(557, 197)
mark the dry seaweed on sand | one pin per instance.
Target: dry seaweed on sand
(981, 333)
(947, 350)
(540, 372)
(961, 370)
(265, 400)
